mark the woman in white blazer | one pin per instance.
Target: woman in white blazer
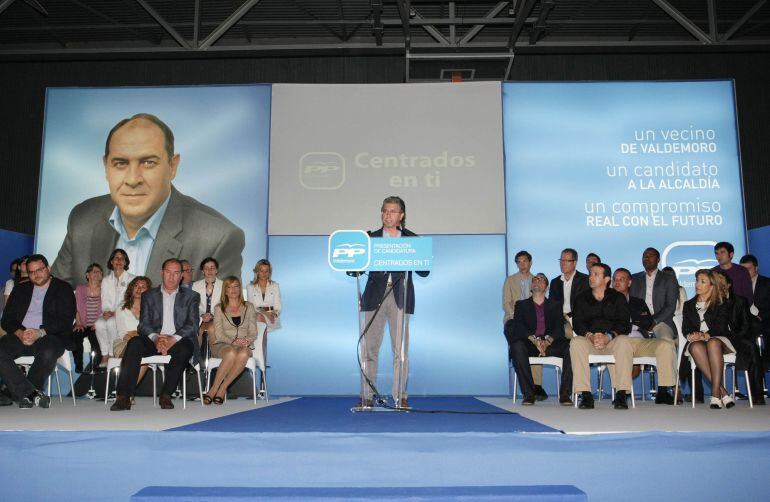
(210, 290)
(113, 289)
(265, 295)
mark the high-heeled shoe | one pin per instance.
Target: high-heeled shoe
(727, 401)
(716, 403)
(207, 399)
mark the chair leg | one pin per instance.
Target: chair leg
(254, 385)
(641, 376)
(633, 400)
(58, 382)
(748, 388)
(107, 387)
(264, 383)
(72, 387)
(692, 383)
(200, 386)
(154, 384)
(184, 390)
(515, 384)
(511, 382)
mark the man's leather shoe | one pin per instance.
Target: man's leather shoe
(528, 400)
(122, 403)
(586, 401)
(26, 403)
(619, 403)
(5, 400)
(663, 396)
(540, 393)
(41, 400)
(565, 400)
(165, 402)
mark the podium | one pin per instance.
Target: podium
(356, 253)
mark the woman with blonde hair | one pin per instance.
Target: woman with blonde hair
(263, 292)
(235, 331)
(705, 323)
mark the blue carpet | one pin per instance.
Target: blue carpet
(332, 414)
(100, 466)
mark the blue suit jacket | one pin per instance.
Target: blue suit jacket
(186, 316)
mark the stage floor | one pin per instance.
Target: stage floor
(91, 454)
(646, 417)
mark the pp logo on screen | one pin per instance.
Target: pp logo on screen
(687, 257)
(349, 250)
(322, 170)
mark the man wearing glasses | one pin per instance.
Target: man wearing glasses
(537, 330)
(38, 319)
(566, 287)
(168, 325)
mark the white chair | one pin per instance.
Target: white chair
(152, 362)
(64, 361)
(603, 361)
(729, 360)
(255, 361)
(644, 361)
(556, 362)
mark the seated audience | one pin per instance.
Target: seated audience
(566, 287)
(659, 291)
(642, 341)
(38, 322)
(592, 258)
(235, 325)
(682, 296)
(537, 329)
(742, 285)
(127, 318)
(113, 288)
(12, 281)
(265, 295)
(89, 303)
(705, 323)
(760, 309)
(601, 322)
(210, 290)
(187, 272)
(744, 340)
(168, 325)
(518, 287)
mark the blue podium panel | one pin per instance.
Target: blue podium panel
(456, 341)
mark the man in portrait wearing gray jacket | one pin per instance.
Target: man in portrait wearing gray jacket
(144, 213)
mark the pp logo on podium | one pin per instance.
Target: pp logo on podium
(349, 250)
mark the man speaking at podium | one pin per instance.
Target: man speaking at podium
(382, 302)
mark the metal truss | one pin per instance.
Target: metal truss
(421, 30)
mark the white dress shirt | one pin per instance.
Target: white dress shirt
(567, 292)
(216, 295)
(271, 298)
(650, 282)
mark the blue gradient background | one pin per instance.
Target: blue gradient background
(221, 132)
(456, 341)
(559, 137)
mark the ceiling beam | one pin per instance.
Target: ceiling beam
(739, 23)
(166, 26)
(683, 21)
(227, 24)
(518, 25)
(433, 31)
(497, 9)
(4, 4)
